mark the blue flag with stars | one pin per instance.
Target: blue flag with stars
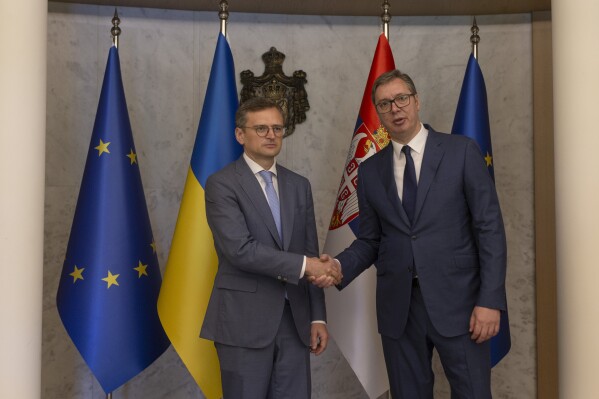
(472, 120)
(110, 279)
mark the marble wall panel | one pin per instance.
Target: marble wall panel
(166, 57)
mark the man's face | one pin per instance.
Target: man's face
(262, 150)
(401, 123)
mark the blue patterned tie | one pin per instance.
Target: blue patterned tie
(410, 186)
(273, 199)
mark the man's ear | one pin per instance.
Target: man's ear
(239, 135)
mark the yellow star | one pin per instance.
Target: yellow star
(111, 279)
(489, 159)
(141, 269)
(102, 147)
(153, 245)
(77, 274)
(132, 156)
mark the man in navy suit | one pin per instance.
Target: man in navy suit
(430, 222)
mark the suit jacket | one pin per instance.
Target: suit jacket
(254, 266)
(456, 241)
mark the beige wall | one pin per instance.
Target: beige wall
(22, 163)
(166, 57)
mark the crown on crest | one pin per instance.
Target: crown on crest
(273, 57)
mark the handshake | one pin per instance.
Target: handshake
(323, 272)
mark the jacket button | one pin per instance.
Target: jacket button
(413, 237)
(279, 278)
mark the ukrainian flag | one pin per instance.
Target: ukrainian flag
(192, 261)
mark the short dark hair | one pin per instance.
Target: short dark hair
(254, 104)
(392, 75)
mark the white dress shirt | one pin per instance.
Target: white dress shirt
(256, 169)
(416, 145)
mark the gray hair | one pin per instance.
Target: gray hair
(392, 75)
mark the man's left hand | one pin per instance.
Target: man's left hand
(319, 338)
(484, 324)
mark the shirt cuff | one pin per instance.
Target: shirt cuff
(303, 268)
(319, 322)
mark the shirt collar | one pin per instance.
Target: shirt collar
(416, 144)
(257, 168)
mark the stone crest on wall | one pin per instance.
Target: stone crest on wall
(287, 91)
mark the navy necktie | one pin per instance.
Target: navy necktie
(410, 186)
(273, 199)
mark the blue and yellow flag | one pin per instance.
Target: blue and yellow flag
(472, 120)
(110, 279)
(192, 261)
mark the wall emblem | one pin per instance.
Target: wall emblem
(287, 91)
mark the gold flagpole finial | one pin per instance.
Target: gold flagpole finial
(474, 38)
(386, 17)
(223, 14)
(115, 31)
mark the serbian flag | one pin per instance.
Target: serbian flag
(352, 315)
(472, 120)
(192, 261)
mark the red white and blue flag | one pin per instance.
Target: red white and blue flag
(351, 314)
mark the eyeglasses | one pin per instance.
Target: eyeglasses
(400, 101)
(262, 130)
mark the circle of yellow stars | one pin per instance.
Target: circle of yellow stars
(132, 156)
(77, 274)
(489, 159)
(112, 279)
(102, 148)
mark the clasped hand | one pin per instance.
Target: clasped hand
(323, 272)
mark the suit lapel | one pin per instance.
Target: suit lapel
(433, 153)
(250, 185)
(287, 199)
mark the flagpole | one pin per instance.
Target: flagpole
(115, 31)
(223, 15)
(386, 17)
(474, 38)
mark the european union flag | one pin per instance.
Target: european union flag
(472, 114)
(472, 120)
(110, 279)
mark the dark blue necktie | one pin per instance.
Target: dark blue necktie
(410, 186)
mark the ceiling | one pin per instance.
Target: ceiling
(342, 7)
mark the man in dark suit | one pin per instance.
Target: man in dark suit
(264, 316)
(430, 221)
